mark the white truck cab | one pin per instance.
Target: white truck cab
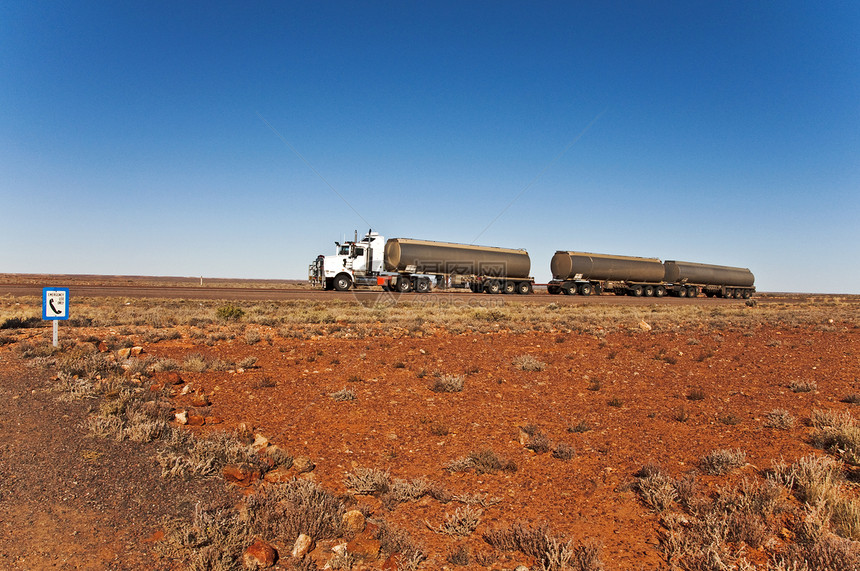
(358, 262)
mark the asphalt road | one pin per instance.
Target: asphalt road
(362, 296)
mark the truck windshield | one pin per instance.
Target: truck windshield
(343, 251)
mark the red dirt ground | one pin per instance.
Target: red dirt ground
(630, 386)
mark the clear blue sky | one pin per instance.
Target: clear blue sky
(166, 138)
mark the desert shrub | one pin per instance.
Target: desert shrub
(579, 427)
(615, 402)
(395, 540)
(447, 384)
(458, 556)
(368, 481)
(803, 386)
(342, 395)
(229, 312)
(299, 506)
(529, 363)
(553, 553)
(20, 323)
(214, 539)
(696, 393)
(655, 487)
(185, 455)
(534, 439)
(852, 398)
(779, 418)
(681, 414)
(461, 523)
(837, 433)
(482, 462)
(563, 451)
(252, 336)
(722, 461)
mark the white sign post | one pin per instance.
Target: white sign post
(55, 307)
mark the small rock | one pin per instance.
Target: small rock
(241, 476)
(196, 420)
(173, 378)
(260, 442)
(364, 548)
(303, 545)
(103, 347)
(354, 522)
(644, 326)
(279, 475)
(181, 417)
(124, 353)
(136, 351)
(259, 554)
(303, 464)
(200, 399)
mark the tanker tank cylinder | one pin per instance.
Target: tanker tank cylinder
(707, 274)
(427, 257)
(602, 267)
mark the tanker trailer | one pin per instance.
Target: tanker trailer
(686, 279)
(410, 263)
(403, 265)
(586, 274)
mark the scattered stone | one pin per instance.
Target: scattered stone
(103, 347)
(196, 420)
(339, 549)
(644, 326)
(390, 564)
(354, 522)
(181, 417)
(303, 545)
(173, 378)
(364, 548)
(124, 353)
(185, 390)
(260, 442)
(200, 399)
(278, 476)
(136, 351)
(241, 476)
(303, 464)
(259, 554)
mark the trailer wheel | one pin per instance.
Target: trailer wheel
(727, 293)
(747, 294)
(585, 289)
(648, 291)
(342, 282)
(693, 292)
(552, 290)
(525, 288)
(660, 291)
(422, 285)
(403, 285)
(493, 287)
(510, 287)
(636, 290)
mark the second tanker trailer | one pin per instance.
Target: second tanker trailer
(585, 274)
(403, 264)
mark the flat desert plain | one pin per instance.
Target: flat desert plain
(450, 433)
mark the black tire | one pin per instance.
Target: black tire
(585, 289)
(342, 282)
(660, 291)
(747, 294)
(509, 287)
(692, 291)
(403, 285)
(569, 289)
(553, 290)
(422, 285)
(648, 291)
(493, 287)
(728, 293)
(636, 290)
(524, 288)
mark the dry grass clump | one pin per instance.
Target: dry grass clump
(461, 523)
(447, 384)
(395, 540)
(838, 433)
(287, 510)
(534, 439)
(551, 552)
(214, 539)
(392, 491)
(780, 419)
(803, 386)
(482, 462)
(722, 461)
(529, 363)
(344, 394)
(656, 488)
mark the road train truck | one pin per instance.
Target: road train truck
(585, 273)
(404, 264)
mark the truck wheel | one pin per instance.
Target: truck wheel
(422, 285)
(552, 290)
(648, 291)
(509, 287)
(493, 287)
(342, 282)
(660, 291)
(636, 290)
(403, 285)
(525, 288)
(747, 294)
(682, 291)
(585, 289)
(693, 292)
